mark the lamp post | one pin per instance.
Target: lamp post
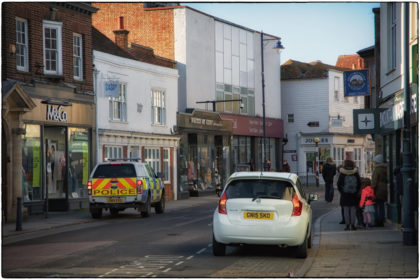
(278, 46)
(316, 140)
(284, 143)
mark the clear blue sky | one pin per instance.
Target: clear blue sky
(309, 31)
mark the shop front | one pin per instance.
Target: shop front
(204, 153)
(56, 155)
(248, 143)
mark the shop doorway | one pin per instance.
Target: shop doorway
(56, 170)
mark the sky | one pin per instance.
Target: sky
(308, 31)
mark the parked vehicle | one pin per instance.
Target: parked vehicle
(263, 208)
(125, 183)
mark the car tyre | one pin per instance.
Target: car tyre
(160, 207)
(219, 249)
(302, 250)
(310, 241)
(96, 212)
(147, 208)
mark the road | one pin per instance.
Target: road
(175, 244)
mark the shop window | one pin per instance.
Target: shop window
(152, 157)
(31, 164)
(112, 152)
(22, 54)
(166, 165)
(78, 162)
(52, 48)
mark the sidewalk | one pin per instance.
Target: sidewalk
(376, 252)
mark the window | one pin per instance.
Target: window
(31, 163)
(22, 45)
(336, 87)
(290, 118)
(52, 48)
(152, 157)
(166, 165)
(113, 152)
(77, 57)
(392, 36)
(118, 105)
(158, 107)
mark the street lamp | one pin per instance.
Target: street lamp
(278, 46)
(316, 140)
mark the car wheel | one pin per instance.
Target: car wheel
(96, 212)
(219, 249)
(160, 207)
(114, 211)
(302, 250)
(147, 208)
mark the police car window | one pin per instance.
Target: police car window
(255, 187)
(143, 171)
(115, 171)
(151, 171)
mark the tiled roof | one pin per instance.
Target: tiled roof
(103, 44)
(351, 61)
(292, 69)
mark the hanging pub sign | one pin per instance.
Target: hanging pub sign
(112, 89)
(356, 83)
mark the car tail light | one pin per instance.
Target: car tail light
(89, 187)
(222, 204)
(297, 206)
(115, 163)
(139, 184)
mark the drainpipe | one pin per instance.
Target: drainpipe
(95, 90)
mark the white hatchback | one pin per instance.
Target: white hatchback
(263, 208)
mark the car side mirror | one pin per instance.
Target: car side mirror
(160, 175)
(312, 197)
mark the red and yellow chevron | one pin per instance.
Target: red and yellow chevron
(102, 186)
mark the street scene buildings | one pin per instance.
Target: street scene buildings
(197, 97)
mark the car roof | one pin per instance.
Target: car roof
(264, 175)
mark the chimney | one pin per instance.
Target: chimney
(121, 35)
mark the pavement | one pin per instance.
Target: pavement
(377, 252)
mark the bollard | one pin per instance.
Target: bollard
(19, 214)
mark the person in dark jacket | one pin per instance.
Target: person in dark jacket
(349, 185)
(379, 184)
(328, 173)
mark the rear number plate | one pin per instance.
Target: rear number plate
(115, 200)
(259, 215)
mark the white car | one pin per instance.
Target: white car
(263, 208)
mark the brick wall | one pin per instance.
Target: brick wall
(151, 27)
(35, 13)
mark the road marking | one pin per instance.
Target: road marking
(168, 269)
(193, 221)
(201, 251)
(181, 262)
(190, 257)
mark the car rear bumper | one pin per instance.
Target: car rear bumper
(292, 234)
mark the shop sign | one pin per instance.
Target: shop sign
(310, 140)
(207, 122)
(356, 82)
(252, 126)
(366, 121)
(56, 113)
(392, 117)
(112, 89)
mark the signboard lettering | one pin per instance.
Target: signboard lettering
(56, 113)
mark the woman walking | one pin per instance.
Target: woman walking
(328, 173)
(349, 185)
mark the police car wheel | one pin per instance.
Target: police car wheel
(114, 211)
(160, 207)
(96, 212)
(147, 208)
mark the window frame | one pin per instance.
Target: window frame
(112, 152)
(78, 58)
(25, 45)
(166, 165)
(392, 36)
(153, 156)
(158, 103)
(58, 26)
(120, 102)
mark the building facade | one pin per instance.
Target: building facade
(136, 106)
(314, 106)
(48, 113)
(217, 62)
(390, 96)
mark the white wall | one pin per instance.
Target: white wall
(140, 78)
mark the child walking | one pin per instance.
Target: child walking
(367, 201)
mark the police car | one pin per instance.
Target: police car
(125, 183)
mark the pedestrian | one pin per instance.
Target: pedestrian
(328, 173)
(341, 206)
(286, 166)
(379, 184)
(367, 201)
(349, 185)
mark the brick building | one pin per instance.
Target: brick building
(48, 112)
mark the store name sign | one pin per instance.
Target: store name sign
(205, 122)
(56, 113)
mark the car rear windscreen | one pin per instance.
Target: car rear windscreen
(252, 188)
(115, 171)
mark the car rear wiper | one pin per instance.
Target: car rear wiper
(266, 196)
